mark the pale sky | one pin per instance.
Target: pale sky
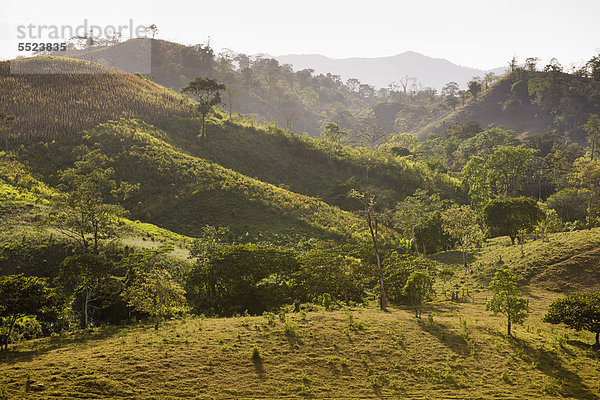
(475, 33)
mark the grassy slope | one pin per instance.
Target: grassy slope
(183, 193)
(389, 355)
(27, 247)
(302, 164)
(568, 261)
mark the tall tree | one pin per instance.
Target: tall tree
(508, 168)
(83, 210)
(474, 88)
(419, 288)
(84, 273)
(370, 131)
(369, 202)
(333, 133)
(207, 93)
(476, 182)
(460, 222)
(507, 298)
(592, 128)
(450, 92)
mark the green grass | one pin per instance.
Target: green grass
(461, 352)
(568, 261)
(182, 193)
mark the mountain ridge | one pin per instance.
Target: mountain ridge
(395, 66)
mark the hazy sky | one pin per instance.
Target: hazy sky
(474, 33)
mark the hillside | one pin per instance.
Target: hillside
(458, 352)
(529, 103)
(567, 262)
(381, 71)
(67, 96)
(257, 85)
(183, 193)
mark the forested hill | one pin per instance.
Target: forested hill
(531, 102)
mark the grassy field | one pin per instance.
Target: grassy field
(457, 351)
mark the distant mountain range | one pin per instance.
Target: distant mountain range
(381, 71)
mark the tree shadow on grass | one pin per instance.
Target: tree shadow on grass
(549, 363)
(452, 257)
(592, 350)
(259, 367)
(46, 345)
(441, 332)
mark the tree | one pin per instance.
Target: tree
(460, 222)
(6, 122)
(586, 176)
(474, 88)
(207, 93)
(84, 273)
(476, 182)
(333, 133)
(592, 128)
(242, 278)
(353, 84)
(579, 311)
(508, 216)
(531, 63)
(489, 78)
(445, 275)
(369, 202)
(157, 294)
(22, 296)
(419, 289)
(450, 92)
(570, 204)
(152, 29)
(81, 210)
(507, 298)
(508, 168)
(369, 130)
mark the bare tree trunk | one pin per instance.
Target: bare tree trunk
(86, 307)
(157, 320)
(203, 133)
(373, 229)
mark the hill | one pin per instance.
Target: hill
(77, 95)
(381, 71)
(257, 85)
(183, 193)
(458, 352)
(567, 262)
(530, 102)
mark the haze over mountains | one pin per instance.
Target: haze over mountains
(381, 71)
